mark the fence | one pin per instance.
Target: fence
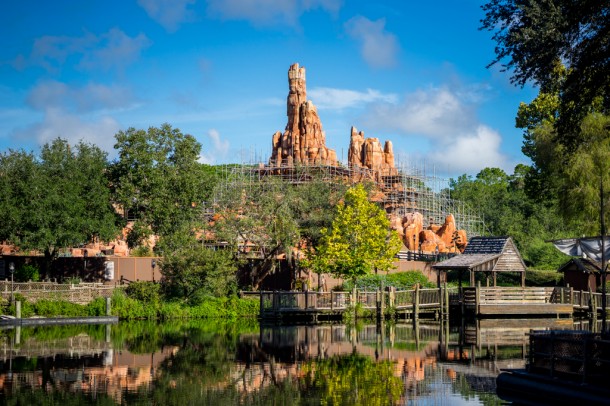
(81, 293)
(578, 356)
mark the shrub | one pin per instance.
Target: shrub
(27, 272)
(401, 281)
(144, 291)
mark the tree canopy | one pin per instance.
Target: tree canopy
(158, 179)
(534, 36)
(359, 240)
(56, 200)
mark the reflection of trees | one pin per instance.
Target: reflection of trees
(352, 379)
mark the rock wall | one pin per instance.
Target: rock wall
(445, 237)
(368, 153)
(303, 141)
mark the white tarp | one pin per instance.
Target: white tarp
(591, 247)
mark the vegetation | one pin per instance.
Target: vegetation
(55, 200)
(507, 209)
(359, 241)
(532, 37)
(158, 180)
(401, 281)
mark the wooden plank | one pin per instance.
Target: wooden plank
(549, 308)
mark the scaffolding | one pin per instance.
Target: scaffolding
(409, 189)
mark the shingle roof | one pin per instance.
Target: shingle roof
(583, 264)
(465, 261)
(485, 245)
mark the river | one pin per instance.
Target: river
(231, 363)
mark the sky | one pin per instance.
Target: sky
(413, 72)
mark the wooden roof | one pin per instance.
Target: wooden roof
(486, 245)
(486, 254)
(464, 261)
(582, 264)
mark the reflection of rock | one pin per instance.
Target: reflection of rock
(368, 153)
(444, 237)
(303, 140)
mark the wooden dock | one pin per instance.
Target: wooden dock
(312, 305)
(480, 302)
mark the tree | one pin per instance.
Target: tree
(359, 240)
(60, 199)
(588, 171)
(258, 222)
(507, 210)
(533, 36)
(193, 270)
(158, 180)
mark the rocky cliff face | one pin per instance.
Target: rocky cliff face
(368, 153)
(445, 238)
(303, 141)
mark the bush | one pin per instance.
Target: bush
(27, 272)
(144, 291)
(401, 281)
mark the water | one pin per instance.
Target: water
(202, 362)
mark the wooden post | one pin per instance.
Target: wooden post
(416, 301)
(446, 300)
(562, 298)
(18, 309)
(572, 296)
(261, 302)
(477, 298)
(108, 307)
(307, 299)
(392, 296)
(440, 301)
(331, 301)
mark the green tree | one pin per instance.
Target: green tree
(258, 222)
(57, 200)
(158, 180)
(533, 36)
(507, 209)
(588, 170)
(359, 240)
(191, 271)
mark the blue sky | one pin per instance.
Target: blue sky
(413, 72)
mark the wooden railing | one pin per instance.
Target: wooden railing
(81, 293)
(311, 301)
(579, 356)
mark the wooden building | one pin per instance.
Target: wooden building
(489, 255)
(582, 274)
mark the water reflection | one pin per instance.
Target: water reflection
(244, 363)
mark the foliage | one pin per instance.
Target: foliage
(27, 272)
(157, 179)
(507, 209)
(144, 291)
(401, 281)
(59, 199)
(359, 240)
(192, 271)
(353, 379)
(587, 171)
(533, 36)
(141, 251)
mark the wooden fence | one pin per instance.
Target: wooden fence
(279, 304)
(81, 293)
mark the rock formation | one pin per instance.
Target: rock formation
(303, 141)
(445, 237)
(368, 153)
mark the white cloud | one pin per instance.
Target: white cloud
(57, 123)
(436, 112)
(169, 13)
(113, 49)
(446, 119)
(378, 47)
(219, 148)
(338, 99)
(93, 96)
(268, 12)
(472, 151)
